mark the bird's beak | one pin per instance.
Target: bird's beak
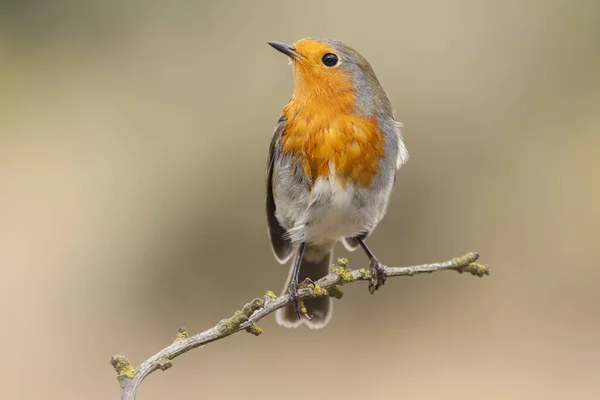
(286, 49)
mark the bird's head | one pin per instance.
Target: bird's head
(329, 72)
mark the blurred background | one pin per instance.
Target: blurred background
(133, 140)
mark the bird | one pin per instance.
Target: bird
(332, 164)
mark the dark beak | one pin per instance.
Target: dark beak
(286, 49)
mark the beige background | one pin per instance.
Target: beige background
(133, 138)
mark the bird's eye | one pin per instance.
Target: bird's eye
(330, 59)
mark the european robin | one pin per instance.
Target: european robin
(331, 167)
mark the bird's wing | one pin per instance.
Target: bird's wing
(282, 246)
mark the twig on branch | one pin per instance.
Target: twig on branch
(246, 319)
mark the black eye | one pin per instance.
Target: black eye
(330, 59)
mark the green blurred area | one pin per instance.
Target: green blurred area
(133, 141)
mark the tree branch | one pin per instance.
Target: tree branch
(246, 319)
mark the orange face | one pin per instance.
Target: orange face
(322, 126)
(328, 84)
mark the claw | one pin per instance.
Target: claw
(302, 310)
(306, 283)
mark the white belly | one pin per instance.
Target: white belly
(334, 211)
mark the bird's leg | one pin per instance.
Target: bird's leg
(378, 275)
(293, 289)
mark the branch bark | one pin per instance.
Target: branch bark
(246, 319)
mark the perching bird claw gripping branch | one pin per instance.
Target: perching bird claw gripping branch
(246, 318)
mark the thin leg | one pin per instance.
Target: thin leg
(297, 263)
(293, 290)
(378, 275)
(366, 248)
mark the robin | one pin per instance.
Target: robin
(332, 164)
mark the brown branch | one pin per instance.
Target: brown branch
(246, 319)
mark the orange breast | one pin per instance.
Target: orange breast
(320, 135)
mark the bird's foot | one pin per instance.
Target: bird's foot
(299, 303)
(378, 275)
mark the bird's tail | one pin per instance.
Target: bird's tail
(316, 263)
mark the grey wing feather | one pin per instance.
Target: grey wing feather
(282, 247)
